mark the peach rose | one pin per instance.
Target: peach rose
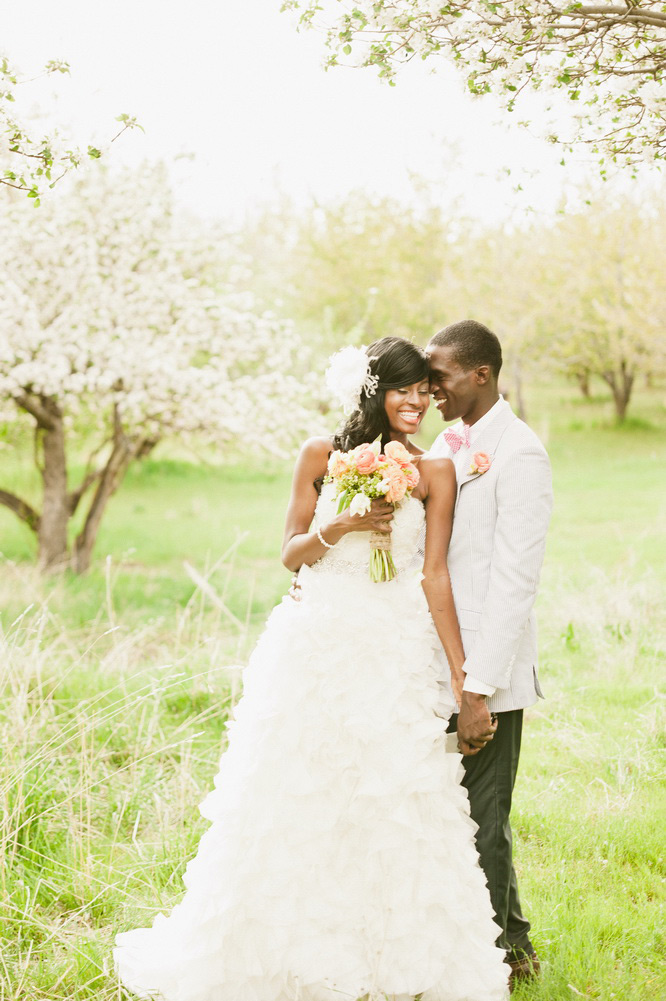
(412, 475)
(481, 462)
(366, 460)
(338, 464)
(396, 450)
(397, 482)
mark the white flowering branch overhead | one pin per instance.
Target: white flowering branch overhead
(117, 328)
(32, 162)
(608, 58)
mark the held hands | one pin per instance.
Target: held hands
(475, 725)
(377, 519)
(457, 682)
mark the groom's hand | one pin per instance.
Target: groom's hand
(475, 727)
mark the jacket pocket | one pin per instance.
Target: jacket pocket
(469, 619)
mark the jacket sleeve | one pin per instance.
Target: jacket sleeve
(524, 504)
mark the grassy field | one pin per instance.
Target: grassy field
(115, 688)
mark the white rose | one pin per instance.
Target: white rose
(360, 504)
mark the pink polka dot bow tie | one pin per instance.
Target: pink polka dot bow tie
(456, 441)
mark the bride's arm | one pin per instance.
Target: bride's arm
(299, 544)
(440, 501)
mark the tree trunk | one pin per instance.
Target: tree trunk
(52, 533)
(109, 482)
(146, 447)
(583, 379)
(621, 383)
(124, 451)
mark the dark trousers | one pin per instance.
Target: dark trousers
(489, 779)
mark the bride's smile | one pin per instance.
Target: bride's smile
(406, 407)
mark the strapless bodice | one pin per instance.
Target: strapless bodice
(351, 555)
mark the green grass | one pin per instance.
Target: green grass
(169, 513)
(114, 693)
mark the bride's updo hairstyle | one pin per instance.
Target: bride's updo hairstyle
(396, 363)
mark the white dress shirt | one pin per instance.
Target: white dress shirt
(461, 460)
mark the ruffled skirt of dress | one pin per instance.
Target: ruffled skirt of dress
(340, 861)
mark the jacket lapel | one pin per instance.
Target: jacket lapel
(488, 441)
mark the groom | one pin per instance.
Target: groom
(502, 512)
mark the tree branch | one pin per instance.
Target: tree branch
(20, 509)
(19, 187)
(626, 14)
(36, 407)
(74, 496)
(90, 475)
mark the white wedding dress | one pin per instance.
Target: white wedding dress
(340, 861)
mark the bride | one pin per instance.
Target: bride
(340, 862)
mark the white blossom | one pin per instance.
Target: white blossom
(105, 302)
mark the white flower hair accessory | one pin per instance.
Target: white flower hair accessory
(348, 375)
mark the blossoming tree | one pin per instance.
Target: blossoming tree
(609, 58)
(116, 329)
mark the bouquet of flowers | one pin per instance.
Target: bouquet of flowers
(364, 474)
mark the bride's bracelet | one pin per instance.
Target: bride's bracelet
(323, 540)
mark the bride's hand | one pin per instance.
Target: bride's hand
(457, 686)
(378, 518)
(457, 682)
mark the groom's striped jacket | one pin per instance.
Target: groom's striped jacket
(495, 557)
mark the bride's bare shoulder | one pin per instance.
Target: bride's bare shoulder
(436, 466)
(317, 448)
(437, 474)
(312, 460)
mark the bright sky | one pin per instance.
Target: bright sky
(238, 103)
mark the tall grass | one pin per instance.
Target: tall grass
(111, 737)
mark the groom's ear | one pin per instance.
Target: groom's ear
(483, 375)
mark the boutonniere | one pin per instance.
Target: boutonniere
(480, 463)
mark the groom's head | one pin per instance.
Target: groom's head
(464, 361)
